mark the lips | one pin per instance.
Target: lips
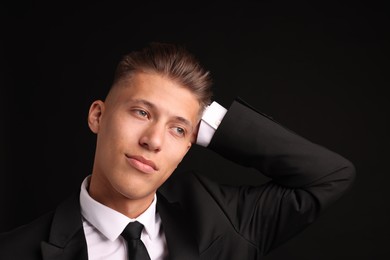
(141, 164)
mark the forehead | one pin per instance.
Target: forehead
(165, 94)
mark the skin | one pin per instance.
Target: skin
(144, 128)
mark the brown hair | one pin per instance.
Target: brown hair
(170, 60)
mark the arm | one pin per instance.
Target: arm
(306, 177)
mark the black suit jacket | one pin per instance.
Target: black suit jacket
(204, 220)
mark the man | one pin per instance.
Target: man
(157, 108)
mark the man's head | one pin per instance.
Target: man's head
(146, 125)
(171, 61)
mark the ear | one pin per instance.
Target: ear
(94, 116)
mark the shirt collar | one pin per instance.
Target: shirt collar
(111, 223)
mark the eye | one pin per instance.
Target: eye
(141, 113)
(179, 131)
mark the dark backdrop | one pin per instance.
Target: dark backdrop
(321, 69)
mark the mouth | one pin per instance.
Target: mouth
(141, 164)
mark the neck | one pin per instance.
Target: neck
(129, 207)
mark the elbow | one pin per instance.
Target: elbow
(350, 173)
(345, 179)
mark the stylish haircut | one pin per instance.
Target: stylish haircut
(172, 61)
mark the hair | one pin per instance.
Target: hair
(172, 61)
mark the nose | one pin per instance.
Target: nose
(152, 137)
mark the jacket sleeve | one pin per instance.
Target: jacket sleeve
(305, 177)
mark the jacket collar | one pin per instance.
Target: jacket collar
(188, 196)
(179, 235)
(66, 239)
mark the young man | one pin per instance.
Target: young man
(157, 108)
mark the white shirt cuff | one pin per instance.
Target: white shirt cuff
(212, 117)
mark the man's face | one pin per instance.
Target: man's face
(144, 129)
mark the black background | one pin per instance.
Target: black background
(318, 67)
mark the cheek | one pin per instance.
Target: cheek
(120, 131)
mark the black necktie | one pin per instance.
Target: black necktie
(135, 247)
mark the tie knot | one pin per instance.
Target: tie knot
(132, 231)
(136, 249)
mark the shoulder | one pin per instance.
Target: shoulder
(193, 189)
(182, 183)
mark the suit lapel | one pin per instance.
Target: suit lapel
(67, 239)
(190, 225)
(180, 238)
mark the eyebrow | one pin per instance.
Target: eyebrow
(144, 102)
(184, 121)
(153, 106)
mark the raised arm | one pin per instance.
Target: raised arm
(306, 177)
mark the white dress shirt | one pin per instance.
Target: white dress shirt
(103, 226)
(211, 118)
